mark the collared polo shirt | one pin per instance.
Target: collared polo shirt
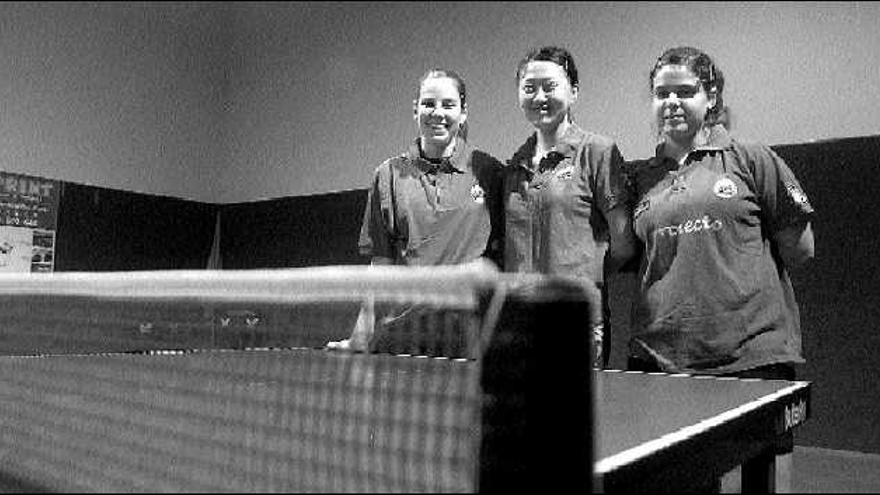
(713, 296)
(555, 219)
(421, 212)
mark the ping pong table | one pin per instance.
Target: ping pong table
(672, 432)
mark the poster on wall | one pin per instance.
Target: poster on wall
(28, 214)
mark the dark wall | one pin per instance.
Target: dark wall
(839, 291)
(103, 229)
(293, 232)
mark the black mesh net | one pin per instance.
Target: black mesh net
(218, 381)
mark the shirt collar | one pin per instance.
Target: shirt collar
(566, 146)
(454, 163)
(718, 139)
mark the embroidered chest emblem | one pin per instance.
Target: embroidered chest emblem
(796, 194)
(478, 194)
(565, 173)
(724, 188)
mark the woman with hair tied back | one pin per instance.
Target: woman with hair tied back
(563, 193)
(719, 222)
(435, 204)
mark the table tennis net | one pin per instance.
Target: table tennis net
(219, 380)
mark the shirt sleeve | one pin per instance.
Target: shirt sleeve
(375, 237)
(610, 191)
(491, 177)
(629, 178)
(782, 199)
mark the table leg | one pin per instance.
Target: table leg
(759, 473)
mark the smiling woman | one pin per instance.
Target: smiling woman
(563, 193)
(730, 307)
(441, 113)
(720, 223)
(436, 204)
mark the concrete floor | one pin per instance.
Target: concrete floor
(819, 470)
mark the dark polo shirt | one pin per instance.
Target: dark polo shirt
(422, 212)
(555, 219)
(713, 296)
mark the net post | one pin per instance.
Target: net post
(536, 388)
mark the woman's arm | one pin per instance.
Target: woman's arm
(365, 325)
(622, 246)
(796, 244)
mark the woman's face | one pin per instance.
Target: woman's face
(545, 94)
(680, 103)
(439, 112)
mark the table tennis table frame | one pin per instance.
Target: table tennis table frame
(697, 462)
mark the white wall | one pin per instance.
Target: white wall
(123, 95)
(229, 102)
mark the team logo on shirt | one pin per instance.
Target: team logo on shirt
(565, 173)
(642, 207)
(693, 226)
(478, 194)
(796, 194)
(724, 188)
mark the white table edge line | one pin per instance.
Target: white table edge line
(608, 464)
